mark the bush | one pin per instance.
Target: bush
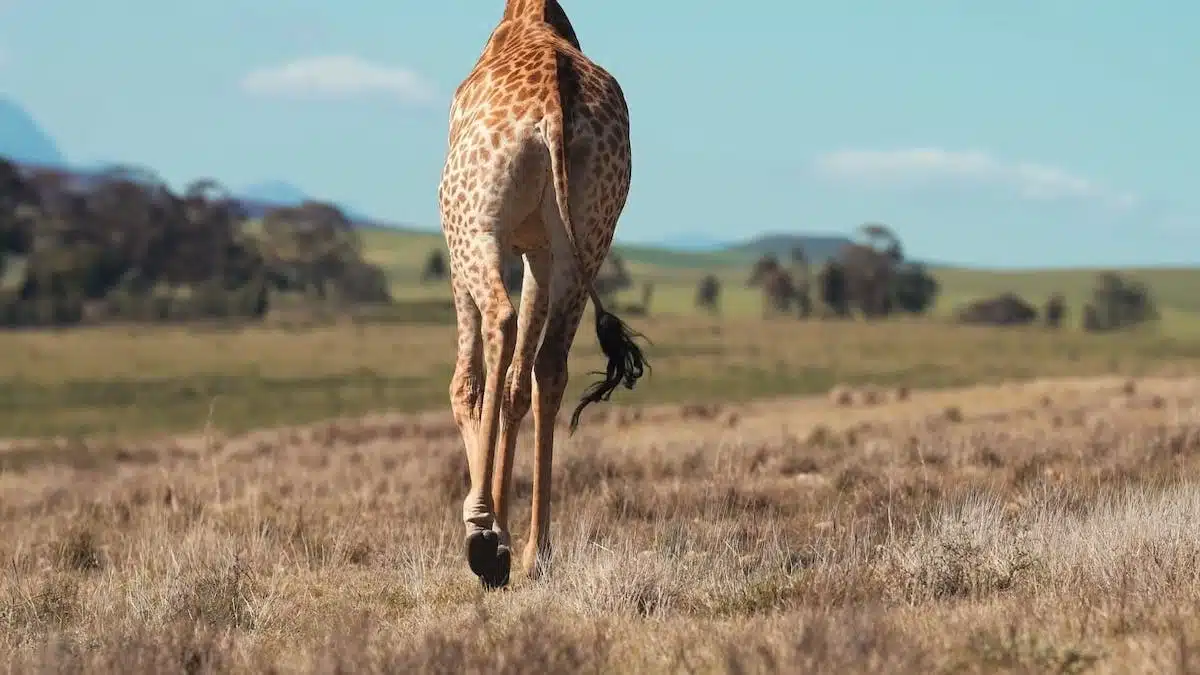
(914, 289)
(1118, 302)
(1006, 309)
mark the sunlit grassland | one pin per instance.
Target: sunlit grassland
(676, 274)
(145, 379)
(129, 381)
(1011, 528)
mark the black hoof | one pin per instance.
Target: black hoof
(489, 560)
(501, 570)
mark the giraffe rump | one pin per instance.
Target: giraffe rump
(626, 363)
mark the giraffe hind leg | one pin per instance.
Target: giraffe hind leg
(498, 323)
(549, 384)
(466, 399)
(517, 393)
(626, 364)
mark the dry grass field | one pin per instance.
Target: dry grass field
(1049, 526)
(776, 496)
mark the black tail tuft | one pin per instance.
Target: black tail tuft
(625, 361)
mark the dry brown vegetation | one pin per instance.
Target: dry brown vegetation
(1049, 526)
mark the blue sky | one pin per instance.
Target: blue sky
(1023, 133)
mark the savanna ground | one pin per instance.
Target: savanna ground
(965, 499)
(1052, 526)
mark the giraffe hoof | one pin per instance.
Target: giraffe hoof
(489, 560)
(503, 565)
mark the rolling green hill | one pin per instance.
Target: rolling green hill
(676, 273)
(816, 247)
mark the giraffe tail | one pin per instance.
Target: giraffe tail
(626, 362)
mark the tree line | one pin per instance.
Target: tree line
(873, 278)
(121, 245)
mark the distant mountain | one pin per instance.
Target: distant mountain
(275, 192)
(702, 251)
(817, 247)
(24, 141)
(692, 243)
(262, 197)
(21, 138)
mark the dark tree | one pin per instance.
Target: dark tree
(435, 267)
(18, 200)
(1055, 311)
(778, 286)
(868, 279)
(121, 244)
(1120, 302)
(1091, 320)
(708, 293)
(881, 238)
(831, 283)
(914, 289)
(310, 246)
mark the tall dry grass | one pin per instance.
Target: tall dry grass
(1052, 527)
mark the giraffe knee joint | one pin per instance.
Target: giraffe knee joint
(465, 398)
(518, 398)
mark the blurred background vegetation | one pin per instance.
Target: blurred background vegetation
(131, 308)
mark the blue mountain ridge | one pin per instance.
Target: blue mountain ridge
(24, 141)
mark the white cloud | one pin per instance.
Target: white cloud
(933, 167)
(337, 76)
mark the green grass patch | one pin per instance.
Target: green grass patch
(129, 381)
(114, 382)
(675, 275)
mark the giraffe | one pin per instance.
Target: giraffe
(538, 164)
